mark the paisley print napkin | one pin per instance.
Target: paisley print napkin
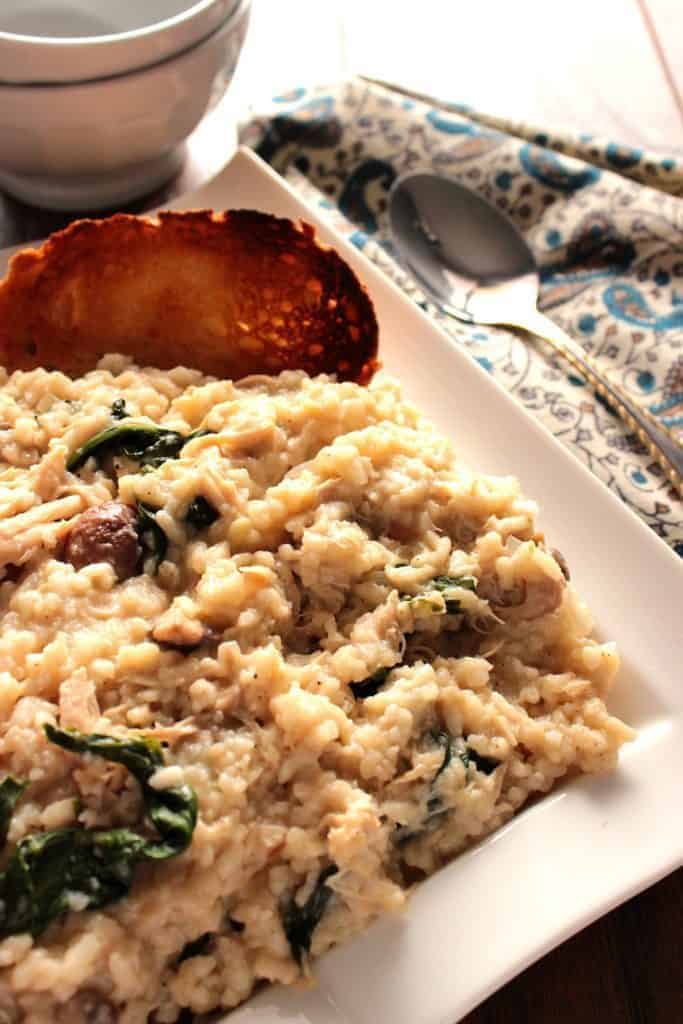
(610, 249)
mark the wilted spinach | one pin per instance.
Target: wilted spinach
(469, 756)
(153, 539)
(10, 791)
(173, 811)
(443, 740)
(442, 584)
(118, 409)
(200, 513)
(435, 808)
(145, 443)
(50, 873)
(369, 687)
(299, 923)
(436, 812)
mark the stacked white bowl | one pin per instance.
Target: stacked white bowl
(97, 97)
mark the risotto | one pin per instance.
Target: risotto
(270, 653)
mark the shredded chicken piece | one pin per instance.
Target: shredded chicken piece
(78, 707)
(48, 512)
(176, 628)
(21, 490)
(51, 473)
(39, 528)
(217, 488)
(171, 733)
(380, 625)
(248, 441)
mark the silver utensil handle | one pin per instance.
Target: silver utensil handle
(660, 442)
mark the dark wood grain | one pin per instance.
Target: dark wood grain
(625, 968)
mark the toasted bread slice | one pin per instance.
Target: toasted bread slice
(230, 294)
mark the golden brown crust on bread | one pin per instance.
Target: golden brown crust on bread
(229, 293)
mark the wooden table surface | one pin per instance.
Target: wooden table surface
(625, 968)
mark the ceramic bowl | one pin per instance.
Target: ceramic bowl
(100, 143)
(48, 41)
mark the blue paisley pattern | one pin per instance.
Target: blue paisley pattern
(622, 157)
(547, 168)
(449, 125)
(626, 302)
(355, 198)
(610, 251)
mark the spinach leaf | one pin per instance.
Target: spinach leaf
(50, 873)
(444, 583)
(468, 755)
(118, 409)
(487, 765)
(369, 687)
(173, 811)
(10, 792)
(141, 757)
(423, 602)
(168, 445)
(153, 540)
(197, 947)
(200, 513)
(436, 812)
(445, 741)
(299, 923)
(146, 443)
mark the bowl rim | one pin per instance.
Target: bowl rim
(107, 39)
(48, 60)
(237, 12)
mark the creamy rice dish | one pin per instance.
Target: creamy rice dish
(270, 653)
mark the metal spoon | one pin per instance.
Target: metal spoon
(473, 262)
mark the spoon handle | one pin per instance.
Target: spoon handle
(660, 442)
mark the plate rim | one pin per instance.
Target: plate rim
(367, 269)
(327, 1006)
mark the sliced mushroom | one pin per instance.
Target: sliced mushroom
(528, 599)
(562, 562)
(106, 533)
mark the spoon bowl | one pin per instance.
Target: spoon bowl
(441, 228)
(471, 260)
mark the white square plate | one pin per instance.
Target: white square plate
(592, 843)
